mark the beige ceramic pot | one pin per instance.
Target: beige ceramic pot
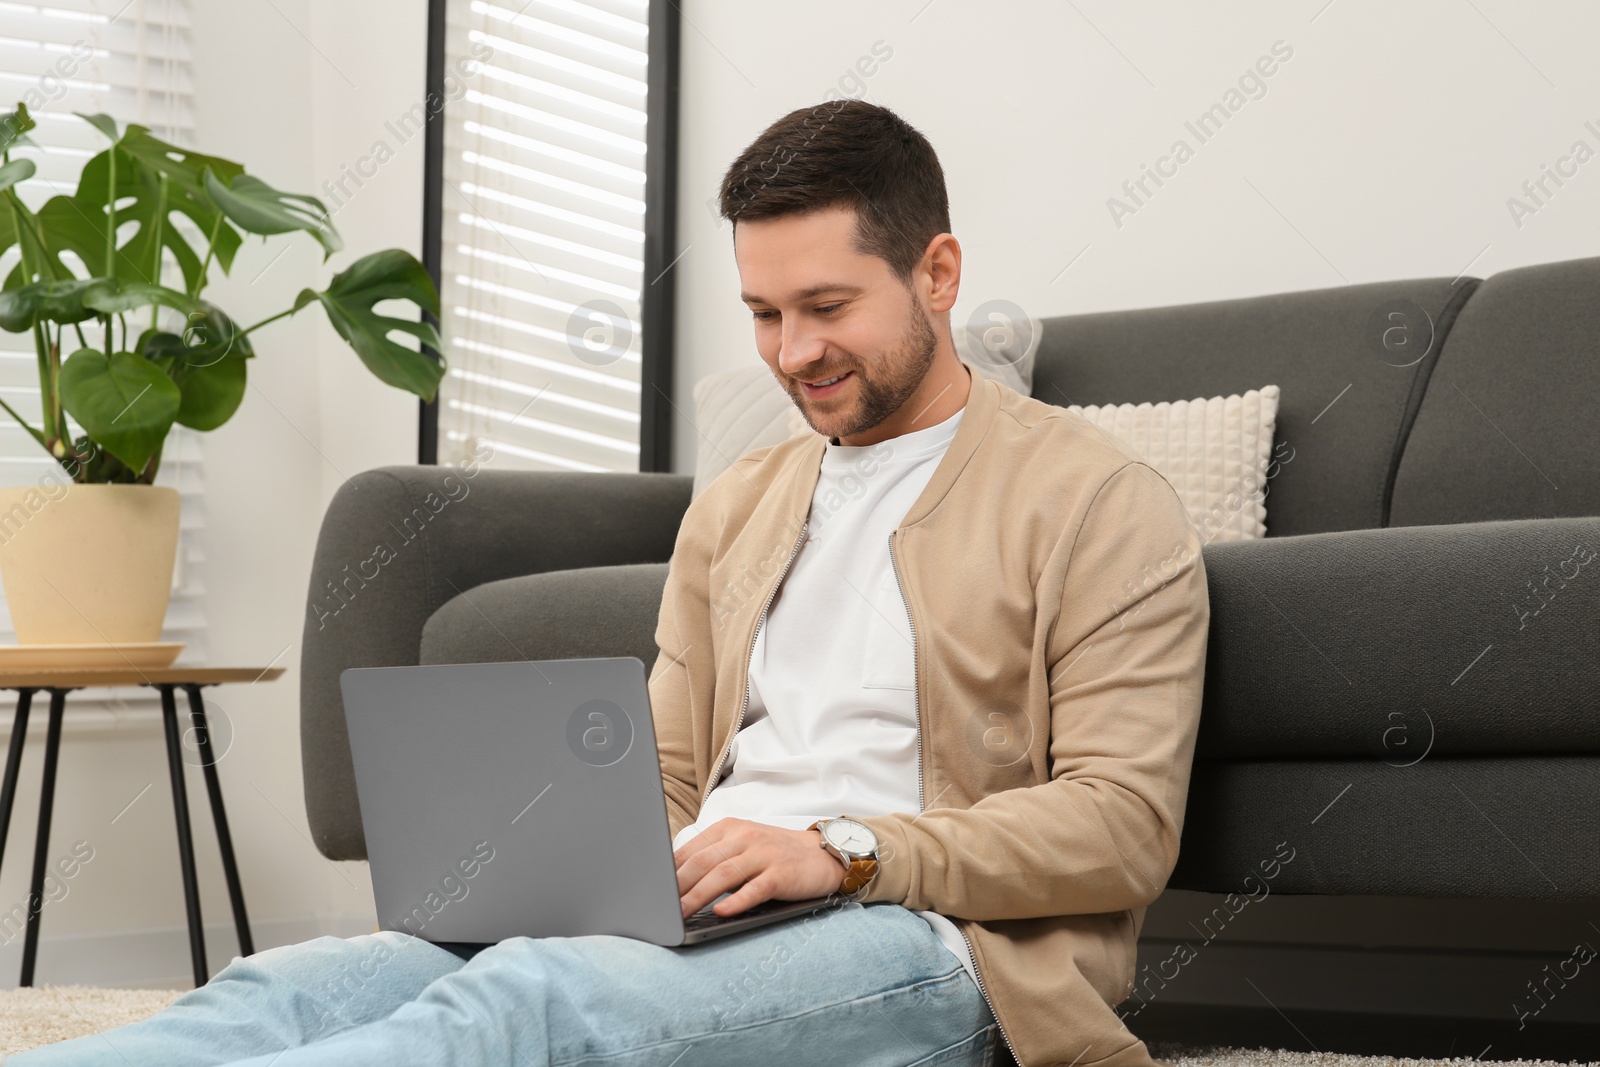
(88, 564)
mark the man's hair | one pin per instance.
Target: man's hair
(845, 152)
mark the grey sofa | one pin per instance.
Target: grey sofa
(1401, 681)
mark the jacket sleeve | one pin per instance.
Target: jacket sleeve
(1126, 657)
(683, 679)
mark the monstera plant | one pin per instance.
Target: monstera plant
(119, 223)
(166, 355)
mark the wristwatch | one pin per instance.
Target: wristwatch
(854, 845)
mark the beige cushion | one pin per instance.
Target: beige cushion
(740, 410)
(736, 411)
(1215, 452)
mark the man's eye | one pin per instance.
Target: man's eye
(763, 316)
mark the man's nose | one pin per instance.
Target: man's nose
(801, 348)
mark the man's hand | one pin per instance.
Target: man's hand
(760, 862)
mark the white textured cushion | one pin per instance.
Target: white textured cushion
(740, 410)
(1214, 451)
(736, 411)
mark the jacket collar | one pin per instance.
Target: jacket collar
(983, 400)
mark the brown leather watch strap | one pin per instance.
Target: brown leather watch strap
(860, 871)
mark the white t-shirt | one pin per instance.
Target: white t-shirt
(831, 724)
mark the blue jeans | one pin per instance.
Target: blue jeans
(853, 983)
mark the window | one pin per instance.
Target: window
(129, 60)
(545, 250)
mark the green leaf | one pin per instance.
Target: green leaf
(72, 232)
(104, 123)
(77, 223)
(8, 237)
(125, 403)
(212, 392)
(18, 170)
(208, 335)
(208, 364)
(256, 207)
(181, 166)
(54, 301)
(17, 223)
(13, 125)
(19, 226)
(114, 296)
(392, 274)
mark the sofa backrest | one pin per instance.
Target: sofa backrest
(1509, 424)
(1352, 376)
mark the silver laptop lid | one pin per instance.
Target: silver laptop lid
(518, 798)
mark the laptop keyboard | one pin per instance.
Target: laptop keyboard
(706, 917)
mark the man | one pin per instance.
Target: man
(943, 656)
(956, 614)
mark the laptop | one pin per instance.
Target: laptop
(522, 798)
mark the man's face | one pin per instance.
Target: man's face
(822, 309)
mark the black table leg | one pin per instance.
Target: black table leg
(41, 844)
(219, 817)
(8, 791)
(180, 805)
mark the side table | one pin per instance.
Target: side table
(58, 683)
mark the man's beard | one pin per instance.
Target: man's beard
(893, 381)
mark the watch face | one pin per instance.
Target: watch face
(850, 836)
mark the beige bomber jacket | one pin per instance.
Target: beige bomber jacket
(1058, 609)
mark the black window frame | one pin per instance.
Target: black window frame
(660, 229)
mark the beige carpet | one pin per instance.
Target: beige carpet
(50, 1013)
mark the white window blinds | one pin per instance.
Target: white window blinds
(129, 60)
(542, 250)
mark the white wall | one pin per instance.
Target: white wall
(1385, 147)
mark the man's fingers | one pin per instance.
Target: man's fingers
(720, 866)
(752, 863)
(725, 876)
(705, 839)
(695, 867)
(746, 896)
(742, 892)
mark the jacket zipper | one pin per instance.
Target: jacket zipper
(917, 711)
(744, 703)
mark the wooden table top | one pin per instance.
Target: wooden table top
(78, 677)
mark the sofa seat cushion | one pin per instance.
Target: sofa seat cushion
(1399, 643)
(588, 611)
(1447, 827)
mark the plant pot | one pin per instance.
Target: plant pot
(88, 564)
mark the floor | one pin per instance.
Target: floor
(50, 1013)
(1425, 1039)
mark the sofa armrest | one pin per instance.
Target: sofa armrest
(398, 542)
(1398, 642)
